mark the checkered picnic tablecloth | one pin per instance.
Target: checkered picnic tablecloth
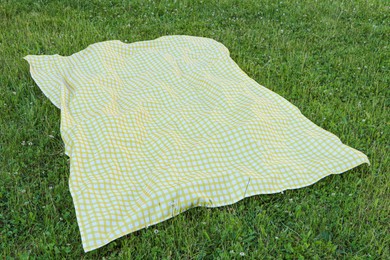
(156, 127)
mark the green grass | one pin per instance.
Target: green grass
(329, 58)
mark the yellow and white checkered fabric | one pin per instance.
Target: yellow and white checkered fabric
(154, 128)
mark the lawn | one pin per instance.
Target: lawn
(329, 58)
